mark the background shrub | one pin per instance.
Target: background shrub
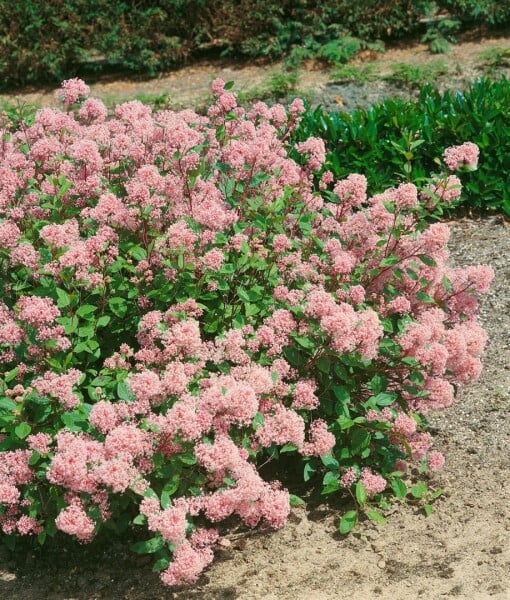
(404, 139)
(487, 12)
(47, 41)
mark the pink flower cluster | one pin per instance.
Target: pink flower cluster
(465, 155)
(246, 287)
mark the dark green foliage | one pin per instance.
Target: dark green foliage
(479, 12)
(49, 41)
(405, 139)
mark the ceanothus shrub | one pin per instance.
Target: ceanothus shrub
(187, 297)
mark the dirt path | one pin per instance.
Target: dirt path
(187, 86)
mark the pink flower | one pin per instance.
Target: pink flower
(72, 90)
(36, 310)
(465, 155)
(218, 86)
(406, 196)
(39, 442)
(60, 386)
(404, 425)
(171, 523)
(282, 427)
(74, 520)
(213, 259)
(61, 234)
(348, 478)
(103, 416)
(373, 482)
(435, 461)
(304, 395)
(128, 439)
(351, 191)
(146, 386)
(27, 525)
(321, 441)
(93, 110)
(9, 493)
(187, 565)
(9, 234)
(316, 151)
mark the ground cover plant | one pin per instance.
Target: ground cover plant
(401, 140)
(188, 297)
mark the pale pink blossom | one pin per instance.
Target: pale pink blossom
(72, 90)
(465, 155)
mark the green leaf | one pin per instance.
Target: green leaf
(296, 500)
(148, 546)
(419, 490)
(341, 394)
(85, 310)
(389, 261)
(7, 405)
(447, 284)
(169, 490)
(140, 520)
(34, 459)
(323, 364)
(63, 299)
(103, 321)
(424, 297)
(160, 564)
(308, 471)
(330, 462)
(345, 422)
(138, 253)
(399, 488)
(11, 375)
(377, 384)
(288, 448)
(348, 522)
(428, 510)
(22, 430)
(385, 398)
(330, 483)
(376, 516)
(124, 393)
(86, 332)
(118, 306)
(304, 341)
(427, 260)
(361, 493)
(360, 440)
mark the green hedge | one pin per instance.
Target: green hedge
(479, 12)
(48, 41)
(375, 141)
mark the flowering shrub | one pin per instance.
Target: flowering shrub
(183, 300)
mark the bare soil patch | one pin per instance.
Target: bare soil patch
(190, 85)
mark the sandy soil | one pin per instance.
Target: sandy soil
(461, 551)
(187, 86)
